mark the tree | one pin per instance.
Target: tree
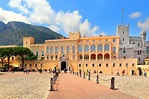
(2, 55)
(31, 56)
(22, 52)
(9, 51)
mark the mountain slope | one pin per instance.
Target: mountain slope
(13, 33)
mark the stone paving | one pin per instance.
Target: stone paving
(70, 86)
(24, 86)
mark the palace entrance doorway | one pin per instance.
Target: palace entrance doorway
(63, 65)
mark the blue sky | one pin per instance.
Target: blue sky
(91, 17)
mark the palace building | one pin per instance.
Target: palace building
(100, 54)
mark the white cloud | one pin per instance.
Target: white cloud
(41, 12)
(144, 25)
(54, 28)
(6, 16)
(135, 15)
(19, 6)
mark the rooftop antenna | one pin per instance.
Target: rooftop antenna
(122, 16)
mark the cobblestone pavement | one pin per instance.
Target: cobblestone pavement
(70, 86)
(24, 86)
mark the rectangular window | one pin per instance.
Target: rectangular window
(133, 64)
(114, 40)
(114, 49)
(36, 53)
(138, 44)
(120, 64)
(73, 49)
(113, 64)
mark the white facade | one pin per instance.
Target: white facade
(131, 47)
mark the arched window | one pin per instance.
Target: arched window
(99, 48)
(47, 50)
(106, 47)
(99, 56)
(42, 53)
(93, 56)
(80, 48)
(107, 56)
(93, 48)
(86, 48)
(86, 56)
(56, 50)
(73, 49)
(67, 49)
(80, 56)
(51, 57)
(124, 50)
(36, 53)
(51, 50)
(62, 49)
(56, 57)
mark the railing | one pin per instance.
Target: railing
(96, 78)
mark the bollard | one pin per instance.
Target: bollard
(97, 80)
(89, 76)
(84, 75)
(112, 83)
(77, 73)
(51, 84)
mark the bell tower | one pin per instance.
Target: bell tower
(27, 41)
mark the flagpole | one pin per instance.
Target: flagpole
(122, 16)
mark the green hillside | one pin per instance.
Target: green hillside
(13, 33)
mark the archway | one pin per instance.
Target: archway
(132, 72)
(99, 56)
(93, 56)
(139, 71)
(63, 65)
(106, 56)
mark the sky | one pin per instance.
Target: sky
(90, 17)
